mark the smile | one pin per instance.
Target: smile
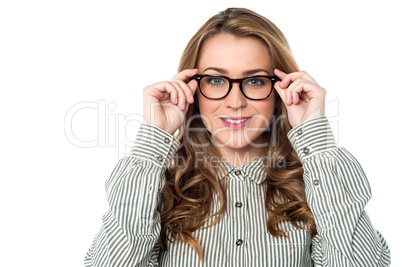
(236, 123)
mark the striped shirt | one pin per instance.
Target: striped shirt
(336, 188)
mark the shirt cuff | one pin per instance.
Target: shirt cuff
(312, 137)
(155, 145)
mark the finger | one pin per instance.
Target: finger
(301, 84)
(302, 88)
(185, 74)
(193, 86)
(280, 73)
(166, 88)
(281, 92)
(150, 91)
(294, 90)
(170, 89)
(187, 90)
(295, 97)
(281, 89)
(181, 103)
(287, 79)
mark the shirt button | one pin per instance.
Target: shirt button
(238, 172)
(239, 242)
(166, 140)
(316, 182)
(299, 132)
(306, 150)
(239, 204)
(159, 158)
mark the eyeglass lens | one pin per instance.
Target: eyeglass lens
(218, 87)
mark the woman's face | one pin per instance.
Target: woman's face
(235, 122)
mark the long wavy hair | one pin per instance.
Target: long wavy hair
(189, 188)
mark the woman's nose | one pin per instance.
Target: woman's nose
(235, 99)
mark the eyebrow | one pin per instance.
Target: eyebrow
(247, 72)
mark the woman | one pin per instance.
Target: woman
(252, 177)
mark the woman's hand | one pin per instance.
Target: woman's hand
(165, 103)
(303, 97)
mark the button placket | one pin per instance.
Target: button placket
(238, 204)
(238, 214)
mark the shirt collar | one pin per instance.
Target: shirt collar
(254, 171)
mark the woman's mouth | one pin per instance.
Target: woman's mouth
(235, 122)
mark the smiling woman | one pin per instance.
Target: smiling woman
(230, 119)
(279, 191)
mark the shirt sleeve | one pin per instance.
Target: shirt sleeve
(337, 191)
(131, 226)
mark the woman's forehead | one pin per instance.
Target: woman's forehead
(233, 54)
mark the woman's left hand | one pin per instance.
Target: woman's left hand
(303, 97)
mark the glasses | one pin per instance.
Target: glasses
(257, 87)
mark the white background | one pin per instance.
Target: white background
(91, 59)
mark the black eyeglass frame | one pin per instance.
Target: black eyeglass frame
(273, 79)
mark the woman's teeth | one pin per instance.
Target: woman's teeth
(235, 121)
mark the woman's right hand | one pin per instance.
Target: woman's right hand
(165, 103)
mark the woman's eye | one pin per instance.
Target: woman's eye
(216, 81)
(254, 82)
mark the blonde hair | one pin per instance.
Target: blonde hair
(187, 194)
